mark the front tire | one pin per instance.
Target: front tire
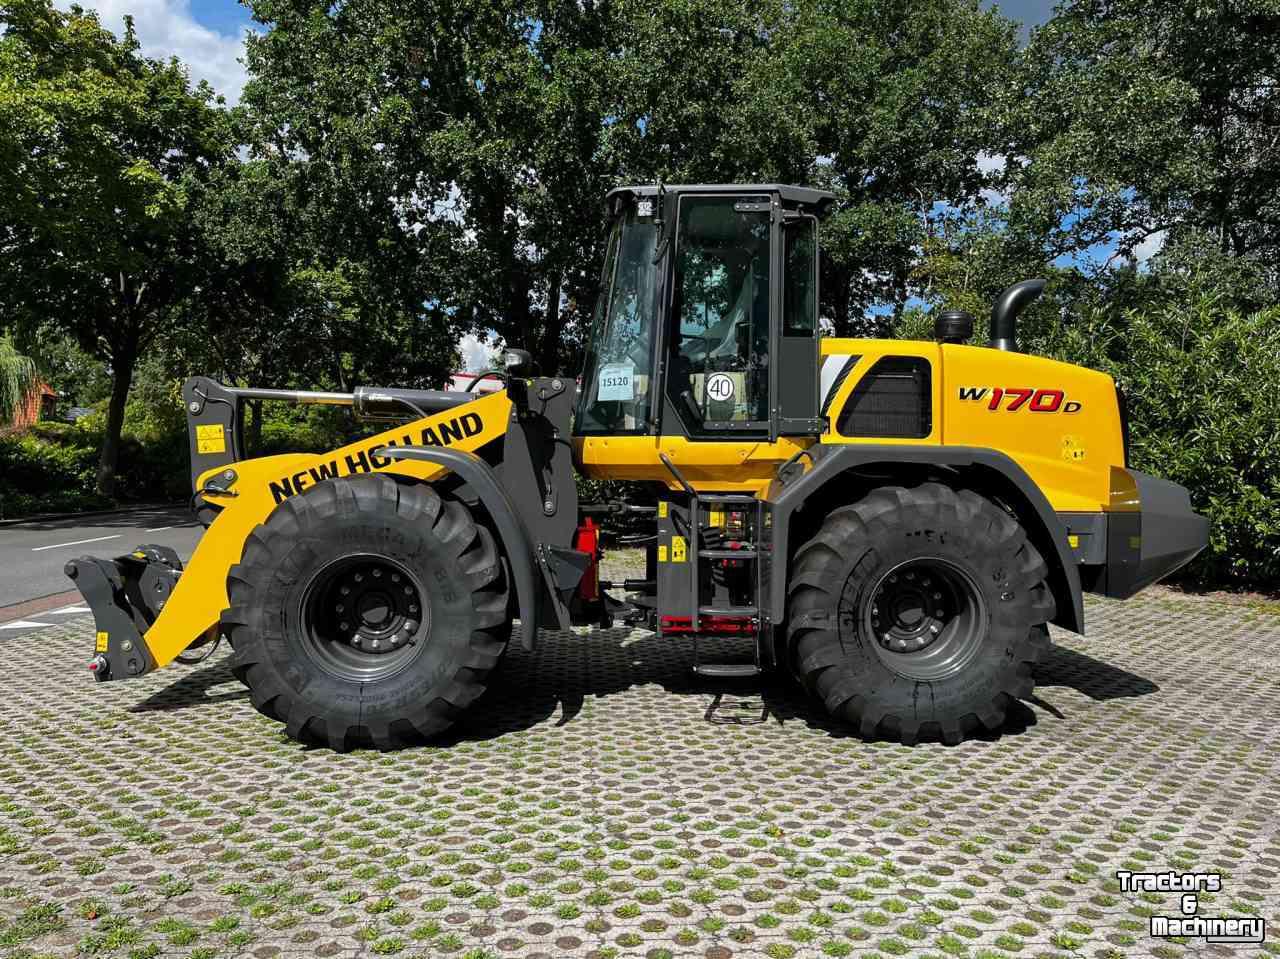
(367, 611)
(919, 613)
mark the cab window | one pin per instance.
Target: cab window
(615, 392)
(718, 348)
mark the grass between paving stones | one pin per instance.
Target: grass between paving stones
(588, 807)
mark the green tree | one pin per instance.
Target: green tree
(102, 154)
(17, 379)
(1139, 120)
(901, 100)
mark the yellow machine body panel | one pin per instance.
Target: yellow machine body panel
(738, 466)
(261, 484)
(1059, 422)
(1066, 434)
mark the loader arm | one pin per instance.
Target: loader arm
(245, 494)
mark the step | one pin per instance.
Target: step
(728, 610)
(726, 554)
(726, 498)
(727, 670)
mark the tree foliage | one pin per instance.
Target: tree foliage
(102, 153)
(17, 379)
(1141, 119)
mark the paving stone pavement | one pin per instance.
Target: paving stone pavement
(599, 801)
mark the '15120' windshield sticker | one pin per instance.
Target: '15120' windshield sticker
(617, 383)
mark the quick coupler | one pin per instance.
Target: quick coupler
(126, 595)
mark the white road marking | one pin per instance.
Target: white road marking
(22, 624)
(70, 610)
(159, 529)
(79, 542)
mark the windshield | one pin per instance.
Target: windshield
(615, 392)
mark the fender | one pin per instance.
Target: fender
(786, 495)
(480, 476)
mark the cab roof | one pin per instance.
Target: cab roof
(803, 195)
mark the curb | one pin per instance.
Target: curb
(38, 605)
(47, 517)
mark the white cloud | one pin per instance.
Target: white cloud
(475, 353)
(1149, 247)
(167, 28)
(991, 162)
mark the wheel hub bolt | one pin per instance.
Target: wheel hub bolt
(340, 607)
(344, 626)
(359, 577)
(345, 590)
(375, 644)
(377, 573)
(413, 607)
(395, 577)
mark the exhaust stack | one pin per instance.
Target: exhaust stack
(1004, 314)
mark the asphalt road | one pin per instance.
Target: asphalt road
(32, 554)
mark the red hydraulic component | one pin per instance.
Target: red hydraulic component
(709, 624)
(587, 540)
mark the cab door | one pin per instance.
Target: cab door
(740, 352)
(717, 376)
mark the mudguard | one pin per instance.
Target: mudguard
(514, 538)
(1044, 527)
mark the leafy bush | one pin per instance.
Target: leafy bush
(53, 467)
(1203, 386)
(41, 476)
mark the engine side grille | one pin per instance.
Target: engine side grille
(894, 399)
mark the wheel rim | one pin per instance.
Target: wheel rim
(926, 618)
(363, 617)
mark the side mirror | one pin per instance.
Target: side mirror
(518, 362)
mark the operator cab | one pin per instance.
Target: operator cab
(706, 325)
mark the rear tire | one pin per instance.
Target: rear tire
(918, 614)
(367, 612)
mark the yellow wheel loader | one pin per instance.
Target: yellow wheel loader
(894, 522)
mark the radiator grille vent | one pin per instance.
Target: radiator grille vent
(893, 400)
